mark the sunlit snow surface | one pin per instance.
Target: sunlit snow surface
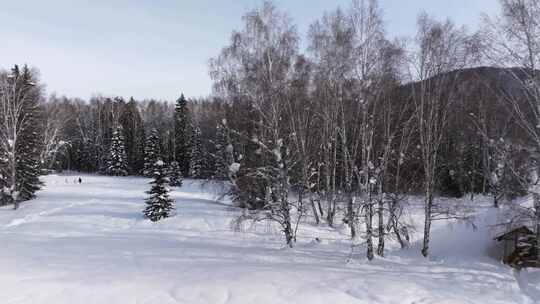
(89, 243)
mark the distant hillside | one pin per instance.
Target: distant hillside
(479, 114)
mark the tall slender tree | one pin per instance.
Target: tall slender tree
(196, 166)
(255, 70)
(152, 152)
(441, 48)
(182, 135)
(223, 155)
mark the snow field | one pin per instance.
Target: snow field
(89, 243)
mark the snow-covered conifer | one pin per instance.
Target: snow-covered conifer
(117, 160)
(152, 152)
(158, 205)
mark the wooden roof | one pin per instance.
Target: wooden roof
(509, 235)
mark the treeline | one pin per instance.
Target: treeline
(124, 137)
(111, 136)
(339, 133)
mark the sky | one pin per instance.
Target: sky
(159, 49)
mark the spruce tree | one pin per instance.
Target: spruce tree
(197, 156)
(152, 152)
(158, 205)
(182, 135)
(175, 176)
(117, 160)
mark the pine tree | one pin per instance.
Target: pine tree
(159, 205)
(175, 176)
(182, 135)
(117, 160)
(197, 155)
(152, 152)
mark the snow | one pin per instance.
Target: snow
(89, 243)
(234, 168)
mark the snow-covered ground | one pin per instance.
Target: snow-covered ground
(89, 243)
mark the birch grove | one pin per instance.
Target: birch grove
(336, 127)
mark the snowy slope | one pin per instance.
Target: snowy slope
(89, 244)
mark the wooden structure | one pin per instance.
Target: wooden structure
(519, 247)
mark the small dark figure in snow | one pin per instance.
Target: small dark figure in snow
(80, 180)
(159, 205)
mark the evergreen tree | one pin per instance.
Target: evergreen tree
(158, 205)
(29, 144)
(182, 135)
(197, 155)
(117, 160)
(28, 165)
(175, 176)
(222, 153)
(152, 152)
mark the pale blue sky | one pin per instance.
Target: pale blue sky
(161, 48)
